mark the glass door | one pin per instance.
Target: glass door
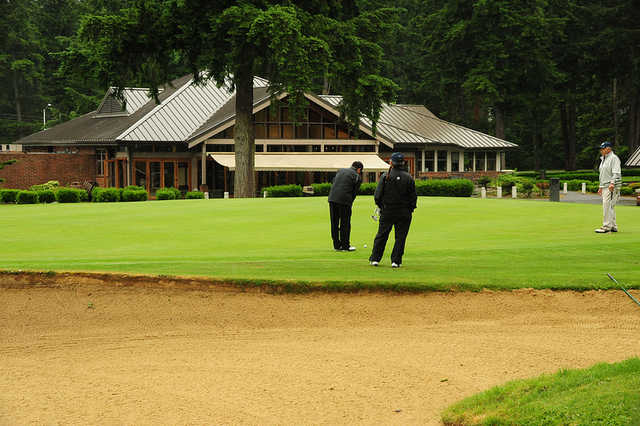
(155, 177)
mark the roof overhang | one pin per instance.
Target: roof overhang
(303, 162)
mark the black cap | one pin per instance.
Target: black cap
(606, 144)
(397, 159)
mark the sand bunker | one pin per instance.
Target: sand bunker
(89, 350)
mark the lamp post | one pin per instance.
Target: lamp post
(44, 117)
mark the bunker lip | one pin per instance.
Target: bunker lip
(24, 279)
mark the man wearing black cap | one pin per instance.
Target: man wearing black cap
(343, 192)
(396, 198)
(610, 182)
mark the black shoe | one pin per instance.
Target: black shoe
(614, 229)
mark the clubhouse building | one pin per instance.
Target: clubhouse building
(186, 142)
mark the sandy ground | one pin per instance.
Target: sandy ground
(82, 351)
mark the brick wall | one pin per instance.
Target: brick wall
(33, 168)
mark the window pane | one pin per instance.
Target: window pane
(342, 133)
(429, 158)
(491, 160)
(101, 155)
(480, 161)
(260, 131)
(183, 176)
(315, 131)
(419, 160)
(329, 131)
(455, 161)
(442, 161)
(301, 131)
(468, 161)
(274, 131)
(111, 168)
(287, 131)
(141, 174)
(169, 174)
(155, 178)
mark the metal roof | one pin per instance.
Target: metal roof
(411, 124)
(634, 159)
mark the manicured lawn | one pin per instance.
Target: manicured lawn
(606, 394)
(464, 243)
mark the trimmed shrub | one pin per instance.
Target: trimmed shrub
(27, 197)
(176, 191)
(367, 188)
(445, 187)
(483, 181)
(83, 195)
(627, 190)
(68, 195)
(134, 188)
(134, 194)
(525, 188)
(284, 191)
(51, 185)
(165, 194)
(635, 185)
(194, 195)
(9, 196)
(574, 184)
(106, 195)
(321, 189)
(46, 196)
(507, 181)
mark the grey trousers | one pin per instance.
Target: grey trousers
(609, 200)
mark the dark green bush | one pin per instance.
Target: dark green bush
(68, 195)
(106, 195)
(635, 185)
(507, 181)
(573, 184)
(46, 196)
(165, 194)
(27, 197)
(583, 176)
(321, 189)
(9, 195)
(134, 188)
(194, 195)
(134, 194)
(483, 181)
(176, 191)
(445, 187)
(284, 191)
(367, 188)
(83, 195)
(525, 188)
(626, 190)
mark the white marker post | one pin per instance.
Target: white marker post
(206, 195)
(226, 194)
(564, 188)
(483, 192)
(264, 194)
(514, 192)
(584, 187)
(499, 191)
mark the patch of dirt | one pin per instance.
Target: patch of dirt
(112, 349)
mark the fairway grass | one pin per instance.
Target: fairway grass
(458, 243)
(605, 394)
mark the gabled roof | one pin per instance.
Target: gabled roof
(634, 159)
(414, 124)
(194, 112)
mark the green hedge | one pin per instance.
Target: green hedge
(321, 189)
(194, 195)
(71, 195)
(46, 196)
(165, 194)
(283, 191)
(367, 188)
(8, 195)
(626, 190)
(106, 195)
(27, 197)
(445, 187)
(134, 194)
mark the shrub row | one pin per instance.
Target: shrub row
(431, 187)
(61, 195)
(168, 194)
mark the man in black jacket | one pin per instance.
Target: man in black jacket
(343, 192)
(396, 198)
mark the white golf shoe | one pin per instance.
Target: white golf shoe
(395, 265)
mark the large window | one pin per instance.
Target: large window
(480, 160)
(101, 156)
(155, 174)
(442, 161)
(468, 161)
(491, 160)
(429, 160)
(455, 161)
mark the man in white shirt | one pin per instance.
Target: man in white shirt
(609, 189)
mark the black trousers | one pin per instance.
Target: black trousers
(401, 221)
(340, 225)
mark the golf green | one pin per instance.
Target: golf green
(463, 243)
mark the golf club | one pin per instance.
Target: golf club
(376, 214)
(624, 289)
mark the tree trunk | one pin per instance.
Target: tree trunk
(568, 124)
(634, 123)
(244, 135)
(614, 101)
(499, 122)
(326, 86)
(16, 96)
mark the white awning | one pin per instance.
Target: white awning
(306, 162)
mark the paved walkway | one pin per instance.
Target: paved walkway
(589, 198)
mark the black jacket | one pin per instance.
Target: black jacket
(398, 193)
(345, 186)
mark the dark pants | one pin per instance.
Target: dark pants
(400, 220)
(340, 225)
